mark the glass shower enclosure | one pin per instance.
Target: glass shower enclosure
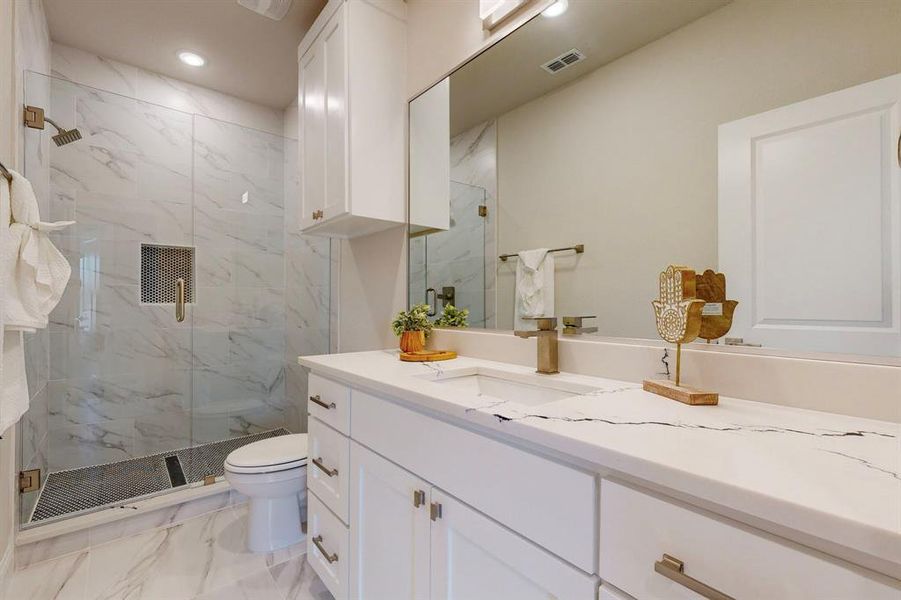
(130, 396)
(454, 258)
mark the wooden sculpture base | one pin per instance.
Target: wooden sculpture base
(427, 355)
(681, 393)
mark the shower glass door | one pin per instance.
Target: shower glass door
(111, 378)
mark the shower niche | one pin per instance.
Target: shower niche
(161, 269)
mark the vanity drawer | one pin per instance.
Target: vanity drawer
(328, 467)
(637, 529)
(327, 547)
(549, 503)
(329, 402)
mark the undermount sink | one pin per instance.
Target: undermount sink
(519, 388)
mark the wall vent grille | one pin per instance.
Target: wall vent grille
(563, 61)
(161, 267)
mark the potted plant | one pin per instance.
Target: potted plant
(412, 326)
(452, 316)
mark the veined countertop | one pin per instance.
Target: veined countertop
(832, 481)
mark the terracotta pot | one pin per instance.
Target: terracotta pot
(412, 341)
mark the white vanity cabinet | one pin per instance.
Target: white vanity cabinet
(351, 111)
(411, 504)
(403, 537)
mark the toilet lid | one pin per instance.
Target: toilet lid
(283, 451)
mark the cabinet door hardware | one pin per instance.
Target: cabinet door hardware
(330, 472)
(418, 498)
(317, 541)
(435, 511)
(317, 400)
(674, 569)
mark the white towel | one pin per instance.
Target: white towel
(534, 287)
(37, 271)
(33, 275)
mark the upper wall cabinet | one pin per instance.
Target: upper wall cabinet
(351, 119)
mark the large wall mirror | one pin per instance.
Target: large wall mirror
(754, 138)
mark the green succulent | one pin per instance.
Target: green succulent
(415, 319)
(453, 317)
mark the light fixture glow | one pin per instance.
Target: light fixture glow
(556, 9)
(192, 58)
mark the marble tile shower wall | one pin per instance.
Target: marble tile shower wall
(126, 379)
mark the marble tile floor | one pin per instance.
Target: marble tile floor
(203, 558)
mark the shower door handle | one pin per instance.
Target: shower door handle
(433, 303)
(180, 300)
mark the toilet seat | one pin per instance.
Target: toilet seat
(280, 453)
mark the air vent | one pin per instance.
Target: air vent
(564, 60)
(274, 9)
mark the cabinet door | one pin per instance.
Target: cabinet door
(389, 533)
(334, 48)
(312, 131)
(473, 557)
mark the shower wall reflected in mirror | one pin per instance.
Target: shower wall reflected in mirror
(128, 401)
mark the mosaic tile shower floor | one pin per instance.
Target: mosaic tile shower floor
(77, 490)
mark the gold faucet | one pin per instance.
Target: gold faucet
(547, 343)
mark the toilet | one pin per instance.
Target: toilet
(273, 474)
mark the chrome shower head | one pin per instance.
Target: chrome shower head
(66, 136)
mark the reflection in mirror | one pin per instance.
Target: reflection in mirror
(758, 139)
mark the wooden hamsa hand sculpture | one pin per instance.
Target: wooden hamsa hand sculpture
(677, 310)
(678, 313)
(716, 317)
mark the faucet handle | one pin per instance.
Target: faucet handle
(543, 323)
(576, 321)
(573, 325)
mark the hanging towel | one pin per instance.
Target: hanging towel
(534, 287)
(33, 275)
(37, 271)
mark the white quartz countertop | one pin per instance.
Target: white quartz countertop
(830, 478)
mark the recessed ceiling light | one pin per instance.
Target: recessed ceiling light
(191, 58)
(556, 9)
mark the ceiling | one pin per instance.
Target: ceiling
(248, 55)
(603, 31)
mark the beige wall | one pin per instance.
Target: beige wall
(628, 153)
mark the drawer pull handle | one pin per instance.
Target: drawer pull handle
(435, 511)
(418, 498)
(323, 468)
(674, 569)
(329, 557)
(317, 400)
